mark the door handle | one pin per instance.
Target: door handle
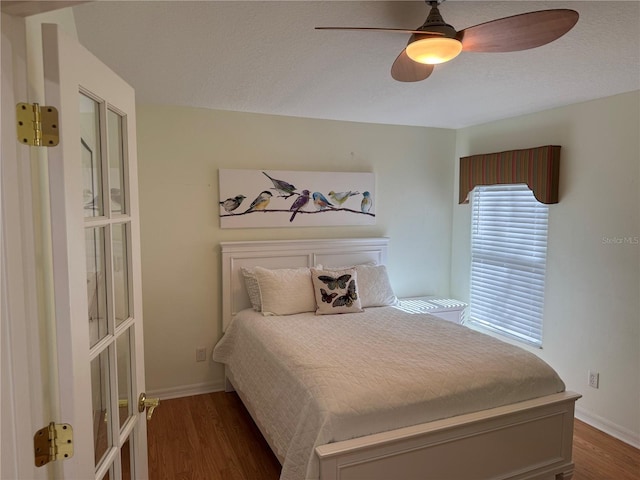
(149, 403)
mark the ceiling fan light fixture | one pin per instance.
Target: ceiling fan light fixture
(434, 50)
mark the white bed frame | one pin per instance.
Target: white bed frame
(527, 440)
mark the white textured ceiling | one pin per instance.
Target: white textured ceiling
(266, 57)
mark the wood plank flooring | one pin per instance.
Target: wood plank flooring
(599, 456)
(207, 437)
(212, 437)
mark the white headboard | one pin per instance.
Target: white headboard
(289, 254)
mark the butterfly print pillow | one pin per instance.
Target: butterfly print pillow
(336, 291)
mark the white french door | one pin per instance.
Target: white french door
(96, 263)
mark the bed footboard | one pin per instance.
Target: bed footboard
(527, 440)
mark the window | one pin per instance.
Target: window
(508, 261)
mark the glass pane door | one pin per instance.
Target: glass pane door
(109, 279)
(95, 243)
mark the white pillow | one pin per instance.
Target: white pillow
(374, 287)
(285, 291)
(253, 289)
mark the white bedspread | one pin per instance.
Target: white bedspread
(312, 380)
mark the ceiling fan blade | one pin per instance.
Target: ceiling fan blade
(519, 32)
(376, 29)
(406, 70)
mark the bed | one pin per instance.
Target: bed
(381, 393)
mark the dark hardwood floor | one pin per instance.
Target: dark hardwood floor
(211, 437)
(207, 437)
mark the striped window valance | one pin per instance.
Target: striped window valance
(538, 167)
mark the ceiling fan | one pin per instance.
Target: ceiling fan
(437, 42)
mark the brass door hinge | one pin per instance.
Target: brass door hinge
(37, 126)
(51, 443)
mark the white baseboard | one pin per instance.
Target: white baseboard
(185, 390)
(621, 433)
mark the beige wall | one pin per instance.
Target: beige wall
(592, 305)
(180, 152)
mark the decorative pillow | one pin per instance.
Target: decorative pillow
(336, 291)
(374, 285)
(285, 291)
(253, 289)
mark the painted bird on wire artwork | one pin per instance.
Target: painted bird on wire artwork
(269, 198)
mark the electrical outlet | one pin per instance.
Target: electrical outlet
(201, 354)
(594, 379)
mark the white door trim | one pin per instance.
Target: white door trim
(23, 409)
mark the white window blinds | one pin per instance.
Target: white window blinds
(508, 261)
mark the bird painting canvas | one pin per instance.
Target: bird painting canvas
(277, 198)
